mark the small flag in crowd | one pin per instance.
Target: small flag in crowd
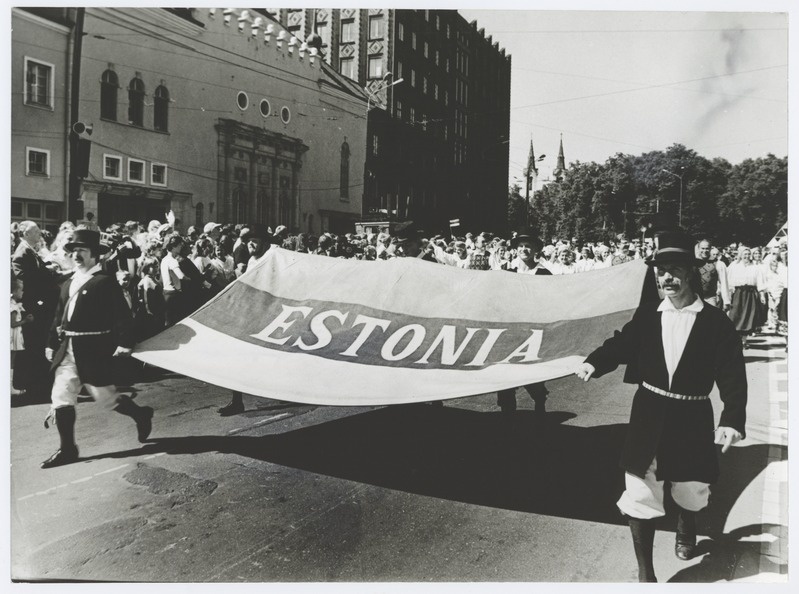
(454, 222)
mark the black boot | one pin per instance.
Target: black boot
(643, 532)
(538, 392)
(67, 453)
(143, 415)
(234, 407)
(685, 544)
(506, 400)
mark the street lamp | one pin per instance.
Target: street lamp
(383, 87)
(679, 177)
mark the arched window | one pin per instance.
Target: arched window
(161, 113)
(136, 102)
(344, 181)
(198, 215)
(109, 86)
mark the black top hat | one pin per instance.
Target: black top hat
(86, 238)
(407, 231)
(675, 247)
(527, 235)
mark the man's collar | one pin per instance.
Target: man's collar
(667, 305)
(94, 269)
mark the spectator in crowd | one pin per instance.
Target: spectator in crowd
(18, 319)
(39, 300)
(149, 317)
(172, 280)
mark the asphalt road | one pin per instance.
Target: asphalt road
(412, 493)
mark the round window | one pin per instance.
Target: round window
(285, 115)
(242, 100)
(266, 109)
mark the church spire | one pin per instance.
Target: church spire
(531, 168)
(560, 168)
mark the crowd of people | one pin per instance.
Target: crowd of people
(166, 272)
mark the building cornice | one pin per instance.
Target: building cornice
(19, 12)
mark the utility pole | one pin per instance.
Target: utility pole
(74, 208)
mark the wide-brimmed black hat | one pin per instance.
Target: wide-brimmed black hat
(675, 247)
(407, 231)
(527, 235)
(261, 232)
(86, 238)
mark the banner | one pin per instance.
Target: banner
(332, 331)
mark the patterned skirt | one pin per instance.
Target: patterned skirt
(745, 311)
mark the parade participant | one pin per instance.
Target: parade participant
(528, 253)
(748, 294)
(258, 243)
(675, 349)
(39, 300)
(92, 324)
(713, 278)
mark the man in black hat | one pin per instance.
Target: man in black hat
(675, 349)
(528, 252)
(92, 324)
(410, 242)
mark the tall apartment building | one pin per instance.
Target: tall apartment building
(437, 142)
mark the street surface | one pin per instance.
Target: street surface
(413, 493)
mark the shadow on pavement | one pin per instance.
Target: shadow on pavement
(522, 462)
(729, 558)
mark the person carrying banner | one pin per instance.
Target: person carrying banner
(675, 349)
(93, 323)
(258, 242)
(528, 252)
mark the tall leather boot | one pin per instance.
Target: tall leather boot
(143, 415)
(234, 407)
(685, 543)
(643, 532)
(506, 400)
(538, 392)
(67, 453)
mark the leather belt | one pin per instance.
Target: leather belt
(74, 333)
(652, 388)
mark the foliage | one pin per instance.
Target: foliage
(710, 198)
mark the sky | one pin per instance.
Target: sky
(634, 82)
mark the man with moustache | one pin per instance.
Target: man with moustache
(92, 324)
(676, 350)
(713, 277)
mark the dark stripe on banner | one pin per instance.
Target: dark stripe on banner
(360, 334)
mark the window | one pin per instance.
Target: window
(438, 23)
(136, 102)
(413, 77)
(374, 144)
(399, 69)
(448, 32)
(161, 109)
(158, 174)
(413, 40)
(16, 208)
(242, 100)
(344, 178)
(34, 210)
(321, 31)
(112, 167)
(348, 67)
(437, 57)
(347, 31)
(424, 85)
(435, 91)
(37, 162)
(446, 64)
(412, 115)
(285, 114)
(376, 26)
(109, 86)
(265, 107)
(425, 49)
(135, 171)
(198, 215)
(38, 83)
(398, 110)
(375, 66)
(52, 211)
(401, 32)
(446, 98)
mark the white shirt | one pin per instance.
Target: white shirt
(171, 274)
(676, 327)
(79, 278)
